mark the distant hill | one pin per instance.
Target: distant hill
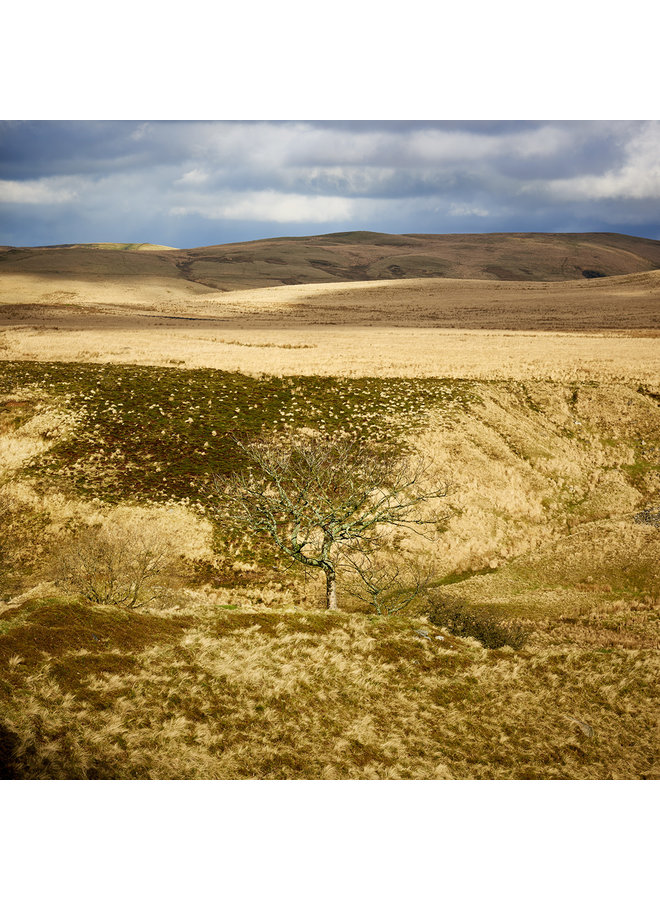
(350, 256)
(140, 248)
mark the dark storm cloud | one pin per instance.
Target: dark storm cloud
(38, 149)
(188, 183)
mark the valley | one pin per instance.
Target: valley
(525, 371)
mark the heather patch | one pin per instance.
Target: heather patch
(156, 434)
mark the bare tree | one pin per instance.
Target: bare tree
(387, 582)
(121, 568)
(313, 498)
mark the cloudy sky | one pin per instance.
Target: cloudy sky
(189, 184)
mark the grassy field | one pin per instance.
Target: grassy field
(212, 693)
(235, 672)
(125, 378)
(604, 329)
(156, 434)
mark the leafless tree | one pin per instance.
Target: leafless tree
(110, 567)
(388, 582)
(314, 498)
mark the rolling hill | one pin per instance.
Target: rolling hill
(348, 256)
(522, 369)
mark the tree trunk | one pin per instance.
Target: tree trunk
(331, 590)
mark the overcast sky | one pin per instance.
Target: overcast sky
(189, 184)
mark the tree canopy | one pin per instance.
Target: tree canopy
(316, 497)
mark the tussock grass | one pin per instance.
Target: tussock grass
(233, 694)
(548, 484)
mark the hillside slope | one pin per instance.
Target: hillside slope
(350, 256)
(237, 674)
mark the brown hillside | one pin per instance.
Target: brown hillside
(350, 256)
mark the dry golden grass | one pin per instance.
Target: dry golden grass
(603, 329)
(44, 522)
(550, 463)
(354, 352)
(43, 424)
(532, 461)
(527, 462)
(291, 695)
(621, 302)
(547, 479)
(624, 302)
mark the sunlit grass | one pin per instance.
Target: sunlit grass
(239, 694)
(548, 482)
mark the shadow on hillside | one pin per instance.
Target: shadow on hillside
(9, 768)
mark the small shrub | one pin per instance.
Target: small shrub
(119, 567)
(388, 582)
(649, 516)
(465, 621)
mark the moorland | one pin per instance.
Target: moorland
(522, 368)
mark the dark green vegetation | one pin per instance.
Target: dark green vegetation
(485, 626)
(353, 256)
(58, 626)
(154, 434)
